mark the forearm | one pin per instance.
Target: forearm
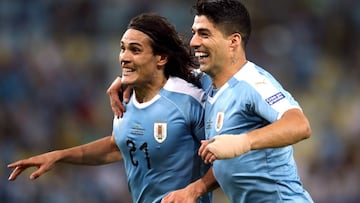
(205, 184)
(290, 129)
(102, 151)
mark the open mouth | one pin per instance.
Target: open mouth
(128, 70)
(202, 56)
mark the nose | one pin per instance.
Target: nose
(195, 41)
(123, 57)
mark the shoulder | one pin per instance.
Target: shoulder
(180, 86)
(253, 74)
(258, 79)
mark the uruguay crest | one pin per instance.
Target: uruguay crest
(219, 121)
(160, 132)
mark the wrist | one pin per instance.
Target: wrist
(244, 143)
(246, 138)
(198, 188)
(58, 155)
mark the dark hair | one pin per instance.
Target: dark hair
(230, 16)
(166, 41)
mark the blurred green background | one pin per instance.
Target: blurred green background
(57, 59)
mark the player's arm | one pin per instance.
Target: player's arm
(98, 152)
(193, 191)
(291, 128)
(115, 91)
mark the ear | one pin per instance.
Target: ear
(235, 40)
(162, 60)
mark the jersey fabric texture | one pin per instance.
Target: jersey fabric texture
(159, 141)
(251, 99)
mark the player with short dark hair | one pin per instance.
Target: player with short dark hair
(251, 120)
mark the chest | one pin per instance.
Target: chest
(158, 130)
(230, 111)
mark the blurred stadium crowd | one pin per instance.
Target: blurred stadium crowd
(57, 59)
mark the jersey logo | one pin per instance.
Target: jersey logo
(137, 130)
(160, 132)
(275, 98)
(219, 121)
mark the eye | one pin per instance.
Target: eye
(135, 49)
(204, 34)
(122, 48)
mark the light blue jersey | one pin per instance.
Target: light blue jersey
(251, 99)
(159, 141)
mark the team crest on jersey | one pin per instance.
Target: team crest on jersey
(219, 121)
(160, 132)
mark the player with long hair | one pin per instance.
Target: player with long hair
(159, 136)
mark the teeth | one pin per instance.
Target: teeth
(127, 70)
(200, 54)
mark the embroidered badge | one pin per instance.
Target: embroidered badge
(219, 121)
(160, 132)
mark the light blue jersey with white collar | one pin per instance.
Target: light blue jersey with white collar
(252, 99)
(159, 141)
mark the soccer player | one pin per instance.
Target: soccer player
(251, 121)
(159, 135)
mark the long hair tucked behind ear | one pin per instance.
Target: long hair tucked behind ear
(166, 41)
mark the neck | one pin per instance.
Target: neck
(227, 72)
(148, 91)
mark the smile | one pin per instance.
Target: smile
(128, 70)
(201, 54)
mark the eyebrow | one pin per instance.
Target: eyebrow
(202, 30)
(132, 44)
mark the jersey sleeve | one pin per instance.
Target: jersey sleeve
(191, 102)
(270, 99)
(197, 121)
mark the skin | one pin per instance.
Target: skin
(193, 191)
(113, 93)
(99, 152)
(141, 69)
(224, 54)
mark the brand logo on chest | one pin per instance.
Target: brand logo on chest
(137, 130)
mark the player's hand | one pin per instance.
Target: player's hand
(205, 154)
(184, 195)
(43, 162)
(115, 101)
(224, 147)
